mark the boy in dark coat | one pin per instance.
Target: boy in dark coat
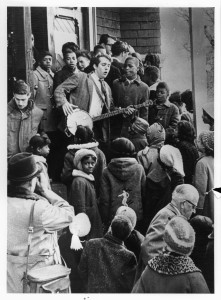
(106, 266)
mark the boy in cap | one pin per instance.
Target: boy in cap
(173, 271)
(23, 119)
(106, 266)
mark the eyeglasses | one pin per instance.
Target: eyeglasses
(193, 206)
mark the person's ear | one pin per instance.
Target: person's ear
(38, 149)
(95, 66)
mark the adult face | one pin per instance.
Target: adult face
(162, 95)
(130, 69)
(82, 62)
(103, 68)
(70, 60)
(22, 100)
(46, 63)
(187, 208)
(109, 44)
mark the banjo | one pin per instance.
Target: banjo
(81, 117)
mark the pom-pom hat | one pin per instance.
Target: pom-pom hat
(179, 236)
(22, 167)
(79, 227)
(172, 157)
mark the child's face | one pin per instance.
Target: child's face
(103, 68)
(88, 165)
(130, 69)
(162, 95)
(46, 63)
(83, 62)
(70, 60)
(22, 100)
(44, 151)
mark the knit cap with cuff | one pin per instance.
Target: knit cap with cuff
(171, 157)
(207, 139)
(179, 236)
(80, 154)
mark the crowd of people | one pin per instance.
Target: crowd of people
(139, 173)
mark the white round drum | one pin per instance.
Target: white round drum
(78, 117)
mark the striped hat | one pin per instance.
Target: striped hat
(207, 139)
(179, 236)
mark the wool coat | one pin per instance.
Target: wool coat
(21, 126)
(43, 92)
(48, 219)
(83, 199)
(106, 266)
(171, 274)
(204, 182)
(122, 174)
(66, 175)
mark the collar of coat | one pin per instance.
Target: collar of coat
(83, 146)
(167, 103)
(123, 79)
(79, 173)
(27, 110)
(113, 239)
(43, 73)
(172, 265)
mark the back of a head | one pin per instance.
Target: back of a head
(121, 227)
(156, 134)
(122, 147)
(184, 192)
(118, 47)
(84, 135)
(186, 97)
(185, 131)
(21, 87)
(206, 138)
(152, 59)
(179, 236)
(153, 72)
(104, 38)
(175, 97)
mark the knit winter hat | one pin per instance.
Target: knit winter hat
(156, 134)
(80, 154)
(140, 125)
(209, 109)
(172, 157)
(207, 139)
(79, 227)
(122, 147)
(128, 212)
(179, 236)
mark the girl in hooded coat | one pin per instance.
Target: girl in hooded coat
(82, 191)
(122, 183)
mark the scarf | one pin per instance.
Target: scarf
(79, 173)
(21, 192)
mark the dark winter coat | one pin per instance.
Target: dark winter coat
(171, 274)
(83, 199)
(106, 266)
(122, 174)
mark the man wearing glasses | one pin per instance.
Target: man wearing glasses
(107, 41)
(184, 201)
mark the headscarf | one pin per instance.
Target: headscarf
(156, 135)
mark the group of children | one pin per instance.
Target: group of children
(122, 189)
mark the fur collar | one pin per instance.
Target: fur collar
(79, 173)
(172, 265)
(83, 146)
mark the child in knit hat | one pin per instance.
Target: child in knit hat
(204, 174)
(82, 192)
(137, 133)
(173, 271)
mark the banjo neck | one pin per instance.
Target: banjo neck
(119, 111)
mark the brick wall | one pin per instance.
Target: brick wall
(140, 27)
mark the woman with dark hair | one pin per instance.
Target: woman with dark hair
(204, 174)
(83, 59)
(188, 150)
(122, 183)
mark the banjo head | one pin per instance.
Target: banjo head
(78, 117)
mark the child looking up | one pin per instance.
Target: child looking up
(82, 192)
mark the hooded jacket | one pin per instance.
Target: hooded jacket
(122, 175)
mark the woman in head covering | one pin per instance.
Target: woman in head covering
(173, 271)
(123, 183)
(204, 174)
(188, 150)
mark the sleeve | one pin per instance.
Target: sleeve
(174, 119)
(153, 243)
(198, 284)
(200, 182)
(55, 216)
(144, 110)
(78, 195)
(130, 272)
(176, 179)
(104, 200)
(140, 286)
(65, 88)
(66, 175)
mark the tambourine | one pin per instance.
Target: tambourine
(78, 117)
